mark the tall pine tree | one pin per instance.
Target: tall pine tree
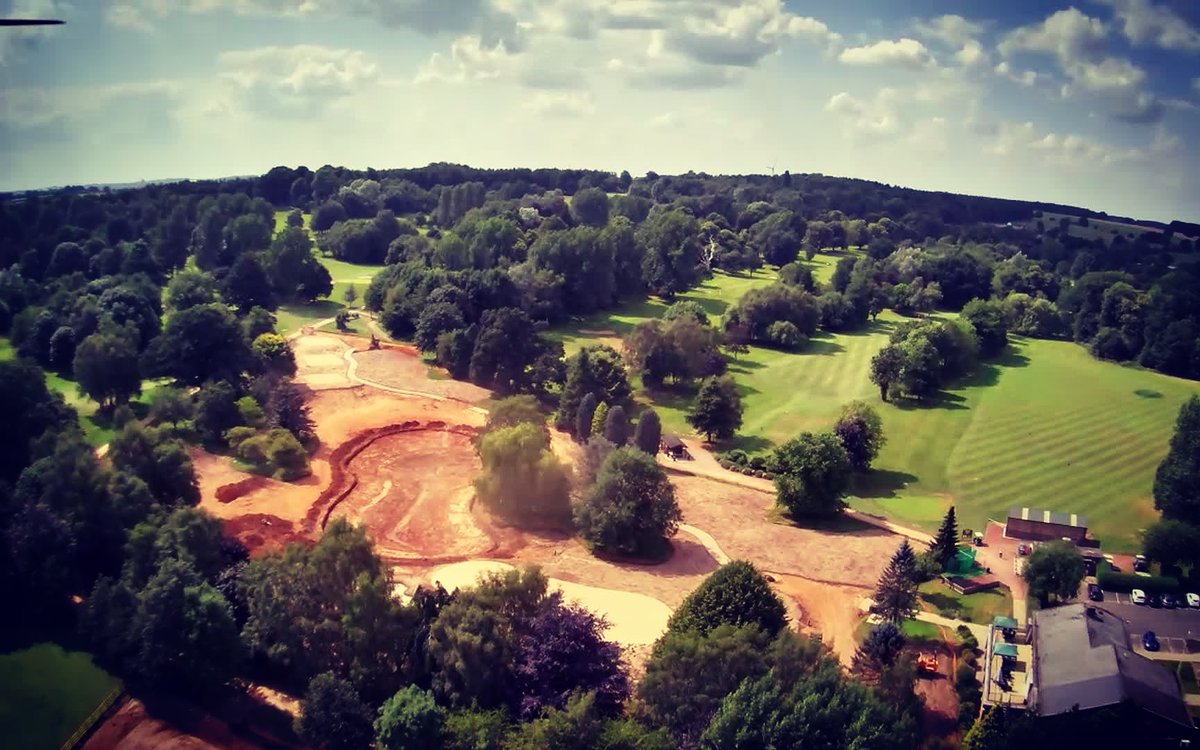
(583, 417)
(648, 434)
(579, 383)
(896, 593)
(945, 545)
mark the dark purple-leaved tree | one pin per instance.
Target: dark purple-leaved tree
(560, 652)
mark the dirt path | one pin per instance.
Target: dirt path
(704, 464)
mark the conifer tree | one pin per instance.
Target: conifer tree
(945, 545)
(583, 417)
(616, 426)
(896, 593)
(599, 418)
(648, 434)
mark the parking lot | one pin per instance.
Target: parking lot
(1178, 630)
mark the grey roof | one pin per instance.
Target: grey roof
(1048, 516)
(1082, 658)
(672, 441)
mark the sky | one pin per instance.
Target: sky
(1095, 104)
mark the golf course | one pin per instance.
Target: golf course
(1045, 425)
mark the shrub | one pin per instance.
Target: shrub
(1125, 582)
(785, 335)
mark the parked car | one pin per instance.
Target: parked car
(1022, 549)
(1169, 601)
(1193, 601)
(1140, 565)
(1137, 596)
(1094, 593)
(1150, 641)
(1154, 600)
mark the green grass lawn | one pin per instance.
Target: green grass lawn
(980, 607)
(292, 318)
(1046, 426)
(45, 693)
(917, 630)
(97, 428)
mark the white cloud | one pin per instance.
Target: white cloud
(953, 30)
(1014, 139)
(959, 34)
(1077, 42)
(1196, 84)
(902, 53)
(486, 17)
(132, 16)
(1067, 34)
(1024, 77)
(469, 60)
(876, 117)
(299, 77)
(561, 104)
(1145, 23)
(743, 33)
(56, 113)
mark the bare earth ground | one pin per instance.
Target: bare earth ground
(940, 716)
(396, 454)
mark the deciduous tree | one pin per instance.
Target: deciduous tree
(736, 594)
(717, 410)
(860, 430)
(1054, 569)
(332, 716)
(631, 510)
(811, 475)
(107, 366)
(1177, 480)
(410, 720)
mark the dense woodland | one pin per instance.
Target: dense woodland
(179, 282)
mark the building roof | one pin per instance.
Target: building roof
(1082, 658)
(672, 441)
(1004, 621)
(1047, 516)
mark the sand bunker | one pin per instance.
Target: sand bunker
(321, 362)
(633, 619)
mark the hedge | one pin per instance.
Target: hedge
(1126, 582)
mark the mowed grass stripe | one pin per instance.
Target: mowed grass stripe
(1047, 426)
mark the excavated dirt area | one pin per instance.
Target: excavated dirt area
(396, 454)
(413, 491)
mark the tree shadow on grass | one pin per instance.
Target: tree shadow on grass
(941, 400)
(942, 602)
(881, 483)
(743, 366)
(823, 344)
(1147, 393)
(749, 443)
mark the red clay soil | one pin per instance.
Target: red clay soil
(411, 485)
(940, 715)
(135, 728)
(227, 493)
